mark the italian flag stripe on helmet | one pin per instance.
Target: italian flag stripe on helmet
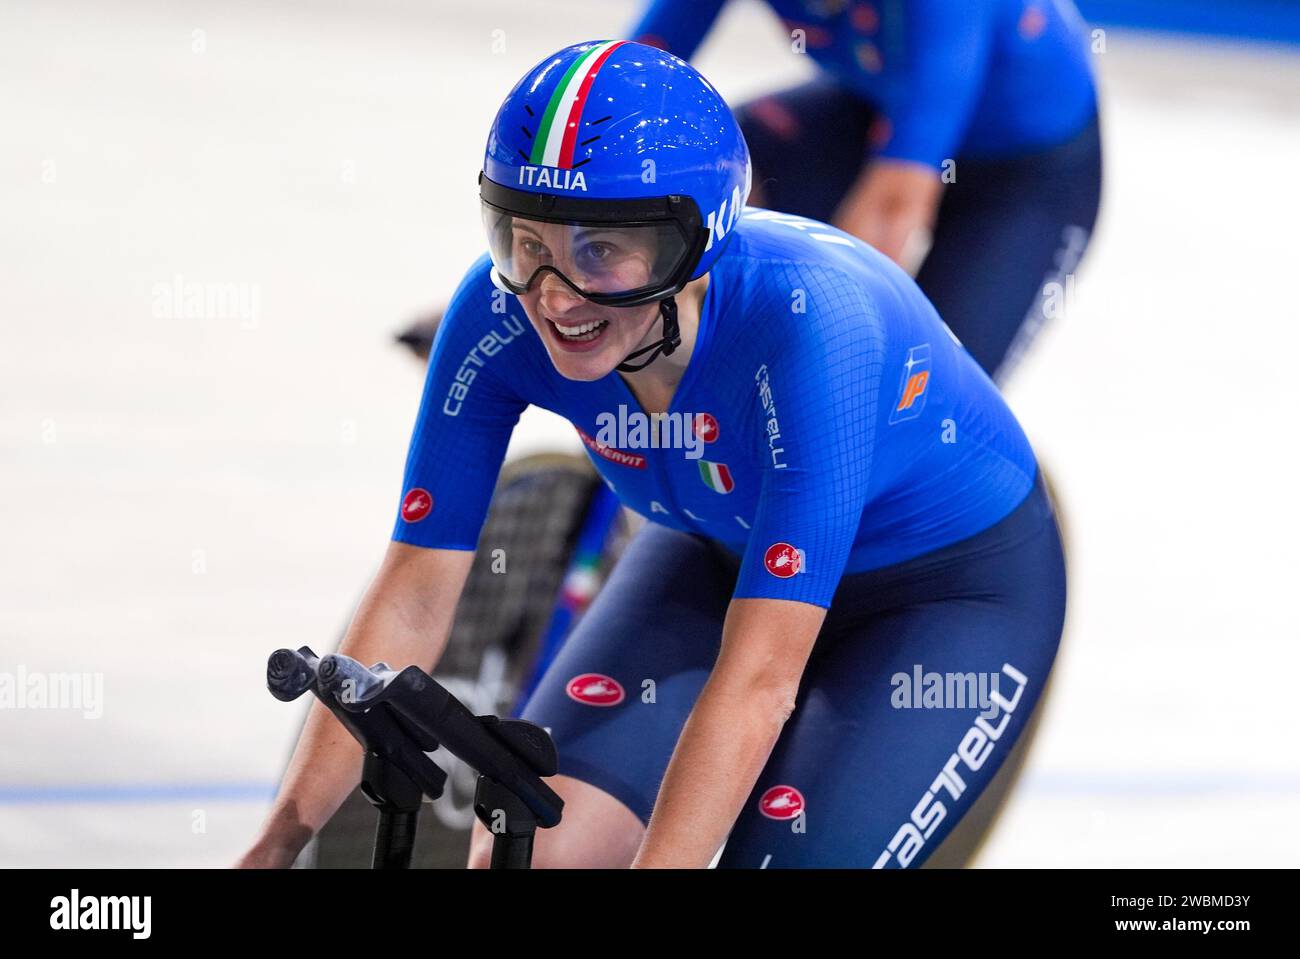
(558, 132)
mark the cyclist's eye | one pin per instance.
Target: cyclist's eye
(532, 248)
(598, 253)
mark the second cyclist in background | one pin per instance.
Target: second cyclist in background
(972, 123)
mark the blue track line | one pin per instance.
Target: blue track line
(83, 793)
(1184, 785)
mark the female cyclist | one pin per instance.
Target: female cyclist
(851, 590)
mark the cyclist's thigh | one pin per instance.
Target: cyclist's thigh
(1005, 229)
(880, 757)
(808, 144)
(622, 686)
(967, 838)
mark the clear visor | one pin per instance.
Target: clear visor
(601, 260)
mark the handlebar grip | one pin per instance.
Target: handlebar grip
(289, 674)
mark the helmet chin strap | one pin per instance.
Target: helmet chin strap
(671, 340)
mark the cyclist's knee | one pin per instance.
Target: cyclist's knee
(563, 847)
(480, 847)
(597, 832)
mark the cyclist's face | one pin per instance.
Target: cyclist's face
(596, 259)
(585, 341)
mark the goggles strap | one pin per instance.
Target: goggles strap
(671, 340)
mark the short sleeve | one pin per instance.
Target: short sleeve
(816, 395)
(467, 413)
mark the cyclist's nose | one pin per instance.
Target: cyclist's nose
(556, 296)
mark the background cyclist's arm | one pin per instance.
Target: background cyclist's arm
(935, 90)
(929, 101)
(678, 26)
(404, 618)
(823, 377)
(467, 413)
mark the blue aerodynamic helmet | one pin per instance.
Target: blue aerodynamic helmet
(617, 167)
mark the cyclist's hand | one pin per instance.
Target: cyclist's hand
(889, 203)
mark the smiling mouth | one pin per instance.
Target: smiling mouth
(581, 333)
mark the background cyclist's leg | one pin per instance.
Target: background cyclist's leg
(807, 145)
(860, 765)
(1005, 228)
(619, 691)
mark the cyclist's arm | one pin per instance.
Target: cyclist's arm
(466, 416)
(823, 380)
(404, 618)
(678, 26)
(935, 90)
(731, 730)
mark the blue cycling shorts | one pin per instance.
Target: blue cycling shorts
(924, 675)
